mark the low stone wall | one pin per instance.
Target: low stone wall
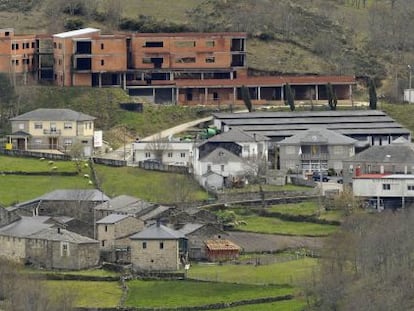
(109, 162)
(231, 197)
(215, 306)
(33, 154)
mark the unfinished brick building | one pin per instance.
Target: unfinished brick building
(178, 68)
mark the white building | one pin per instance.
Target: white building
(213, 170)
(396, 190)
(168, 152)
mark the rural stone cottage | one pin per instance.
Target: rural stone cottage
(158, 248)
(40, 241)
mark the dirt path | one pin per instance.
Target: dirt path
(256, 242)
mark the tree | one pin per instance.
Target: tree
(331, 94)
(7, 97)
(158, 146)
(372, 91)
(246, 98)
(289, 97)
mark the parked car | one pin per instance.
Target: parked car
(317, 176)
(152, 161)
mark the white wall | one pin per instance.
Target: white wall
(175, 152)
(370, 187)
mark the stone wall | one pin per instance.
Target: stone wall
(230, 197)
(13, 248)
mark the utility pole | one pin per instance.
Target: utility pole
(409, 84)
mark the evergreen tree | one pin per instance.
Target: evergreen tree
(372, 91)
(246, 98)
(289, 97)
(331, 94)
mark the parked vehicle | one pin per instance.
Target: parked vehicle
(320, 176)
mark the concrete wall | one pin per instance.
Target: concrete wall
(370, 187)
(153, 257)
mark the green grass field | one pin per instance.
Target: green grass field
(8, 163)
(253, 188)
(308, 208)
(153, 294)
(89, 294)
(272, 225)
(278, 273)
(153, 186)
(286, 305)
(19, 188)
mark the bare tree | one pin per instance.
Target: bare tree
(158, 146)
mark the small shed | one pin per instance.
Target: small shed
(221, 250)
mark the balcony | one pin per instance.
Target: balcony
(52, 132)
(318, 156)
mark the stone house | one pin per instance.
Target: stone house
(113, 234)
(158, 247)
(38, 240)
(78, 204)
(197, 235)
(52, 129)
(313, 150)
(125, 205)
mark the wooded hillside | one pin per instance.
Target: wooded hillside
(361, 37)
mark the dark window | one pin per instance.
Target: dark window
(102, 46)
(54, 45)
(386, 187)
(106, 228)
(161, 245)
(215, 96)
(7, 33)
(410, 187)
(102, 62)
(103, 243)
(33, 45)
(144, 245)
(154, 44)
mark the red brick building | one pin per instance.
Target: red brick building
(178, 68)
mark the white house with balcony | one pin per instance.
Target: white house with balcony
(52, 129)
(313, 150)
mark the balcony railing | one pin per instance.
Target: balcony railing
(318, 156)
(52, 132)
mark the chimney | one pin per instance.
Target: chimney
(158, 222)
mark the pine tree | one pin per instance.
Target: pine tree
(246, 98)
(289, 97)
(331, 94)
(372, 91)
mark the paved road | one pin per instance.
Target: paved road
(177, 129)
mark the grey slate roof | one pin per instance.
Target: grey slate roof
(125, 204)
(238, 136)
(112, 219)
(153, 214)
(220, 155)
(158, 232)
(190, 228)
(26, 226)
(318, 136)
(395, 152)
(43, 114)
(52, 234)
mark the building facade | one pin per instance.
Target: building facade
(179, 68)
(52, 129)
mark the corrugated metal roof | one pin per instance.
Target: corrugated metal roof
(221, 244)
(75, 33)
(43, 114)
(267, 81)
(392, 153)
(158, 232)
